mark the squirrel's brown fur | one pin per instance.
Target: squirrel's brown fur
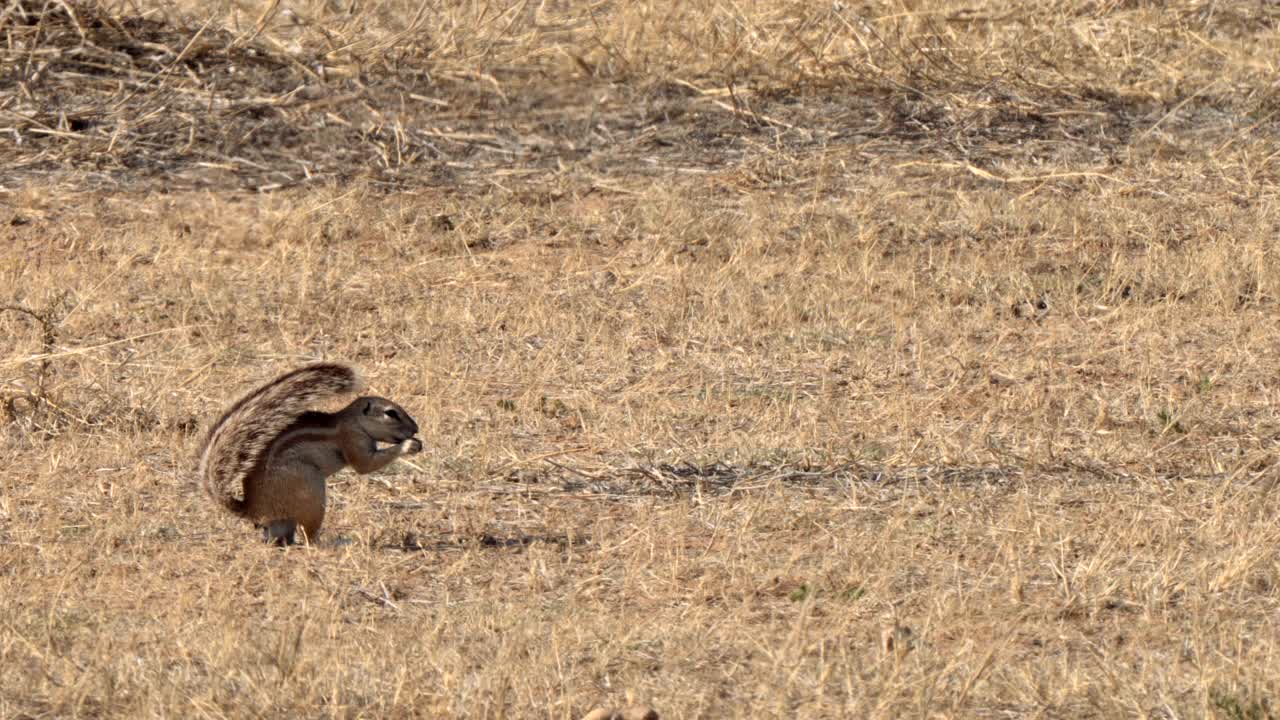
(267, 457)
(237, 442)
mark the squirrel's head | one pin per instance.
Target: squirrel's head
(384, 420)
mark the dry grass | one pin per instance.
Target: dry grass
(774, 360)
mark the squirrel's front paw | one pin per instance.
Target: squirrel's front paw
(411, 446)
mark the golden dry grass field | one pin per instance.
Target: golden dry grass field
(792, 359)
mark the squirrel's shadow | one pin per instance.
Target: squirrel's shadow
(411, 542)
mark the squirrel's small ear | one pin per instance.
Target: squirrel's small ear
(368, 405)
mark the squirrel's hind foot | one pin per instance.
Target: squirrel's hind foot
(280, 532)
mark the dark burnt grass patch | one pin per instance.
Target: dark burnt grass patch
(93, 98)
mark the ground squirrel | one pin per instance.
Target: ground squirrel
(271, 445)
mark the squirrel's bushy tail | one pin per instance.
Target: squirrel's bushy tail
(236, 443)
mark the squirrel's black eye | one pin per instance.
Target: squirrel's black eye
(393, 414)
